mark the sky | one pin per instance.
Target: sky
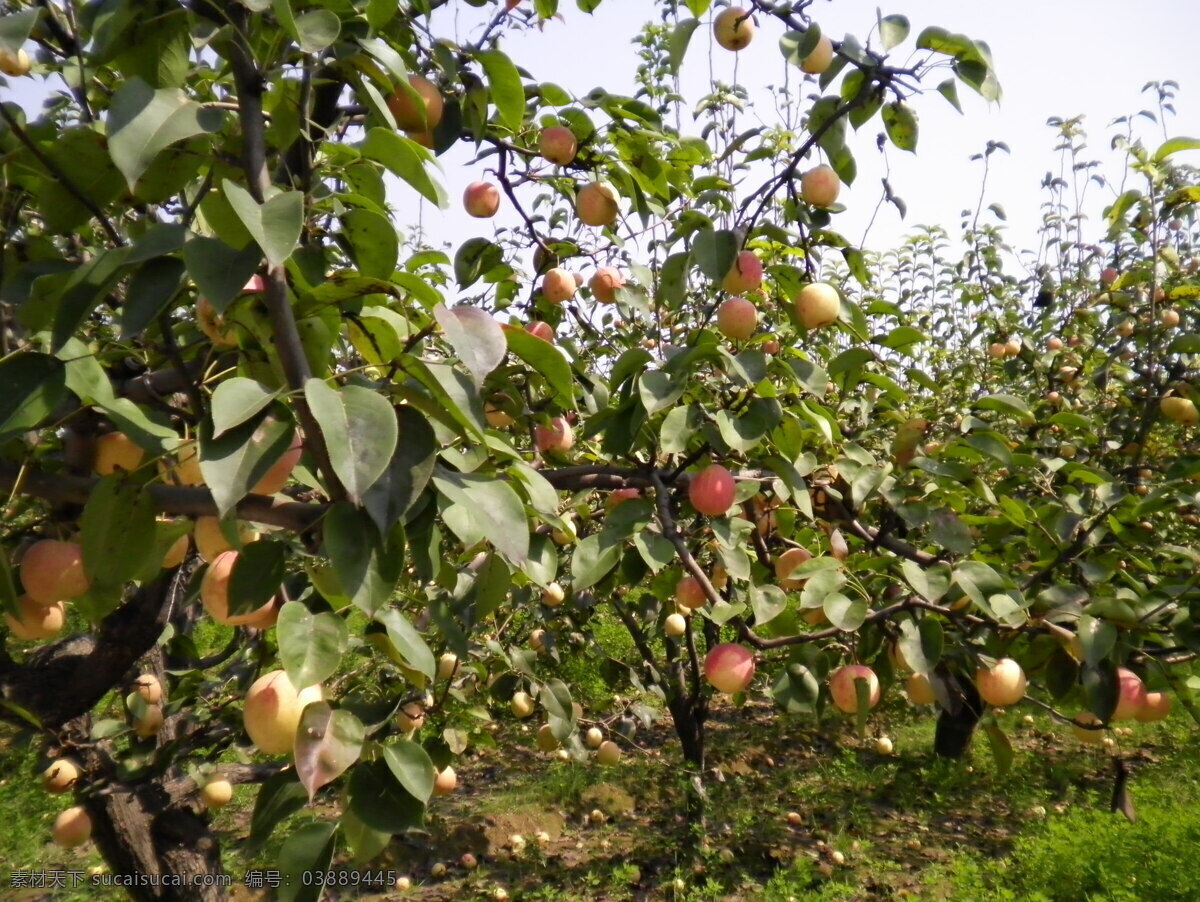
(1054, 58)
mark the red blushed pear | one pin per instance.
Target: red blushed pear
(729, 667)
(596, 205)
(737, 318)
(604, 284)
(689, 593)
(558, 286)
(820, 186)
(558, 436)
(842, 687)
(1001, 685)
(734, 29)
(214, 595)
(420, 114)
(557, 145)
(52, 571)
(277, 476)
(786, 563)
(1156, 707)
(745, 275)
(481, 199)
(818, 304)
(1131, 697)
(711, 490)
(539, 329)
(616, 496)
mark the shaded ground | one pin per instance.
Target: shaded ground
(792, 813)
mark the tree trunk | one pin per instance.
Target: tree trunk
(688, 714)
(143, 834)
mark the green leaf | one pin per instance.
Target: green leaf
(846, 613)
(374, 244)
(504, 84)
(931, 583)
(34, 385)
(381, 801)
(359, 427)
(680, 38)
(15, 29)
(1002, 751)
(142, 122)
(475, 258)
(714, 251)
(408, 643)
(1174, 145)
(949, 90)
(407, 159)
(236, 401)
(233, 463)
(594, 557)
(151, 290)
(499, 509)
(309, 850)
(257, 575)
(317, 29)
(396, 492)
(947, 530)
(547, 360)
(475, 336)
(412, 767)
(357, 556)
(921, 642)
(220, 271)
(767, 602)
(275, 225)
(659, 390)
(279, 797)
(117, 534)
(328, 742)
(1009, 404)
(310, 645)
(900, 123)
(893, 30)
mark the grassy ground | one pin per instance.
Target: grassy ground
(864, 826)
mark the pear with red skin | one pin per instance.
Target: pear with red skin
(542, 330)
(596, 205)
(745, 274)
(604, 284)
(737, 318)
(558, 436)
(711, 491)
(842, 687)
(52, 571)
(557, 145)
(729, 667)
(410, 116)
(820, 186)
(481, 200)
(558, 286)
(1001, 685)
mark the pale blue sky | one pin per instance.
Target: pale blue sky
(1054, 58)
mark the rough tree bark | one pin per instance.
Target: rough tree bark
(146, 829)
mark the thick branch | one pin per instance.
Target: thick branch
(181, 501)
